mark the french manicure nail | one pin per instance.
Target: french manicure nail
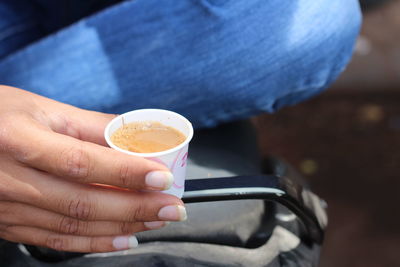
(155, 225)
(161, 180)
(173, 213)
(125, 242)
(133, 242)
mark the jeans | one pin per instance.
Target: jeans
(211, 60)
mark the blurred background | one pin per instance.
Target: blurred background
(346, 142)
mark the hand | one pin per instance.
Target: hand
(52, 158)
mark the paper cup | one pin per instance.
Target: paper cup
(174, 158)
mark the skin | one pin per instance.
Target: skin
(51, 157)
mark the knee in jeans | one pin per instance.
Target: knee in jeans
(318, 53)
(329, 43)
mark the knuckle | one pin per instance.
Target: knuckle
(74, 162)
(3, 231)
(6, 191)
(3, 195)
(7, 131)
(56, 242)
(83, 228)
(138, 213)
(125, 175)
(7, 209)
(4, 139)
(8, 232)
(80, 208)
(125, 228)
(68, 225)
(9, 143)
(93, 245)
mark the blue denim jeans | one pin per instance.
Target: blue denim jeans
(210, 60)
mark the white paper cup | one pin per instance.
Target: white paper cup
(174, 158)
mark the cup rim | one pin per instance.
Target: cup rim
(154, 154)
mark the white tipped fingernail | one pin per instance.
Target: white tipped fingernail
(125, 242)
(154, 225)
(133, 242)
(172, 213)
(161, 180)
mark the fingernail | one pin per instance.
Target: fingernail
(172, 213)
(155, 225)
(161, 180)
(125, 242)
(133, 242)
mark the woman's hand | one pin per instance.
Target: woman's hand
(52, 155)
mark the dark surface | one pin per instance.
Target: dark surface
(370, 4)
(348, 146)
(375, 65)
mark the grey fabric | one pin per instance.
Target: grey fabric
(232, 223)
(280, 251)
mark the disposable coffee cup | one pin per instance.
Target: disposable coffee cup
(175, 158)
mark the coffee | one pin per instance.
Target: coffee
(147, 137)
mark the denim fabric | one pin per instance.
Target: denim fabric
(210, 60)
(18, 25)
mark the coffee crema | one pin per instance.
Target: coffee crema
(147, 137)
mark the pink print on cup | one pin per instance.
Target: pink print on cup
(178, 168)
(184, 159)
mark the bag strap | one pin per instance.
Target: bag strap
(280, 189)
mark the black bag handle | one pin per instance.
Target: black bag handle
(291, 194)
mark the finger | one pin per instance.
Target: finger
(93, 203)
(44, 238)
(90, 124)
(79, 123)
(26, 215)
(83, 162)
